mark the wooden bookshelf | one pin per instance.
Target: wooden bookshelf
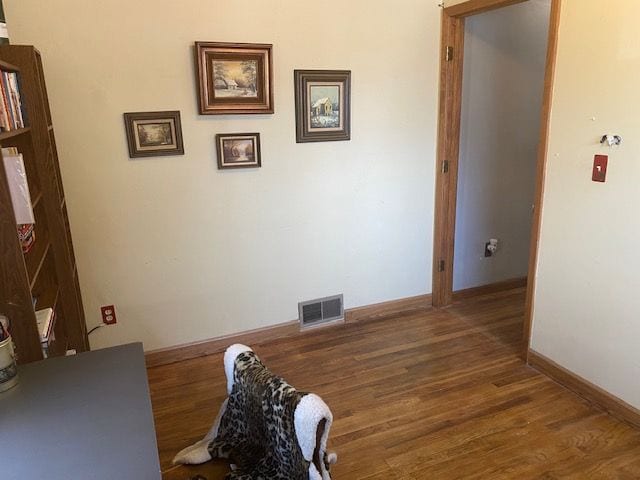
(47, 274)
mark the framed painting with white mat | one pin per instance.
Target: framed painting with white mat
(154, 134)
(323, 105)
(238, 150)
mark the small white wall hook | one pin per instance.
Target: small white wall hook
(611, 140)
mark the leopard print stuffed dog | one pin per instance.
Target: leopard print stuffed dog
(266, 428)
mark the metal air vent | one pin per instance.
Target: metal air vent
(318, 312)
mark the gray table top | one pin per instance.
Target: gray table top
(86, 416)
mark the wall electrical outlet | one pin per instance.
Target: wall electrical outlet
(491, 247)
(109, 315)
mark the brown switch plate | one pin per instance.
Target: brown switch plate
(600, 168)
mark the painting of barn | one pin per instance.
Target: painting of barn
(324, 106)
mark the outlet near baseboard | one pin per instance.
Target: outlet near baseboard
(109, 315)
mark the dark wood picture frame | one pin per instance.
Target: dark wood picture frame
(244, 82)
(225, 162)
(134, 120)
(330, 126)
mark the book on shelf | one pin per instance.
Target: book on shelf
(12, 111)
(18, 186)
(20, 197)
(27, 237)
(46, 319)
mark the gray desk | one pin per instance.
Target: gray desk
(87, 416)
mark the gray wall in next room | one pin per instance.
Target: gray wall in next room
(505, 53)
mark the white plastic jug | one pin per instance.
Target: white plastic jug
(8, 368)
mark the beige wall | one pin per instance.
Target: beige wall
(587, 307)
(187, 252)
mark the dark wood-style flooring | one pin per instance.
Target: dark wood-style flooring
(435, 394)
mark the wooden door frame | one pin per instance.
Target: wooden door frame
(451, 69)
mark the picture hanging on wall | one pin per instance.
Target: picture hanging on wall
(234, 78)
(154, 134)
(238, 150)
(323, 105)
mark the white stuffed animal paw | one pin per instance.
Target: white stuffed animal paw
(194, 455)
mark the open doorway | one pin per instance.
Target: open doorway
(502, 86)
(495, 92)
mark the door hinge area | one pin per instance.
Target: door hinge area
(445, 166)
(441, 266)
(448, 56)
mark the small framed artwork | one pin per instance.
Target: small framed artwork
(154, 134)
(238, 150)
(323, 105)
(234, 78)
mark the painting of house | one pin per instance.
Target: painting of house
(221, 83)
(235, 78)
(323, 106)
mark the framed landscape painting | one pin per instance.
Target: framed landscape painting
(154, 134)
(234, 78)
(238, 150)
(323, 105)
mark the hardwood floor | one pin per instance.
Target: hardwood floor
(438, 394)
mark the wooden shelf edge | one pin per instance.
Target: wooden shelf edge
(14, 133)
(32, 281)
(8, 67)
(36, 201)
(56, 299)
